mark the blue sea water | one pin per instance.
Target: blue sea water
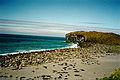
(22, 43)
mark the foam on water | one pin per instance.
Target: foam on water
(71, 46)
(14, 44)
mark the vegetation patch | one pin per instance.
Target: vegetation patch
(99, 37)
(114, 76)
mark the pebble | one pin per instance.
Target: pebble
(66, 78)
(76, 71)
(33, 71)
(54, 71)
(59, 77)
(10, 75)
(21, 78)
(45, 67)
(78, 75)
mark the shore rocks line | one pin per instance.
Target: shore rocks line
(87, 55)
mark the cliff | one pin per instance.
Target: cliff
(94, 37)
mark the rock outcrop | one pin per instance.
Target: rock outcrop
(75, 38)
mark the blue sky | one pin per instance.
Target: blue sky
(80, 13)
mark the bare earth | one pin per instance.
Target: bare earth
(70, 69)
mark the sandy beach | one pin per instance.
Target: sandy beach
(84, 63)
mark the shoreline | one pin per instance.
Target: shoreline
(64, 61)
(30, 51)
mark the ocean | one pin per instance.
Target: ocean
(12, 44)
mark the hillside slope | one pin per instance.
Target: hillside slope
(97, 37)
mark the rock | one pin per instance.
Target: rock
(71, 37)
(20, 66)
(45, 67)
(23, 63)
(78, 75)
(53, 65)
(46, 77)
(76, 71)
(55, 78)
(37, 76)
(33, 71)
(1, 75)
(21, 78)
(66, 78)
(16, 76)
(59, 77)
(10, 75)
(82, 69)
(64, 68)
(54, 71)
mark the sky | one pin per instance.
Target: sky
(58, 17)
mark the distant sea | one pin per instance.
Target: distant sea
(12, 44)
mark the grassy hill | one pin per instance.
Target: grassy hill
(100, 37)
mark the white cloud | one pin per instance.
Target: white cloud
(46, 29)
(33, 31)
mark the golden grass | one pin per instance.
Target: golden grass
(100, 37)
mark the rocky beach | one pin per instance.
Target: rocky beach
(91, 62)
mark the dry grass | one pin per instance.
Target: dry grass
(100, 37)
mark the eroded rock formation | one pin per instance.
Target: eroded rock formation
(75, 38)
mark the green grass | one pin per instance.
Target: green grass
(117, 46)
(114, 76)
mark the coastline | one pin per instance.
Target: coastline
(73, 45)
(66, 58)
